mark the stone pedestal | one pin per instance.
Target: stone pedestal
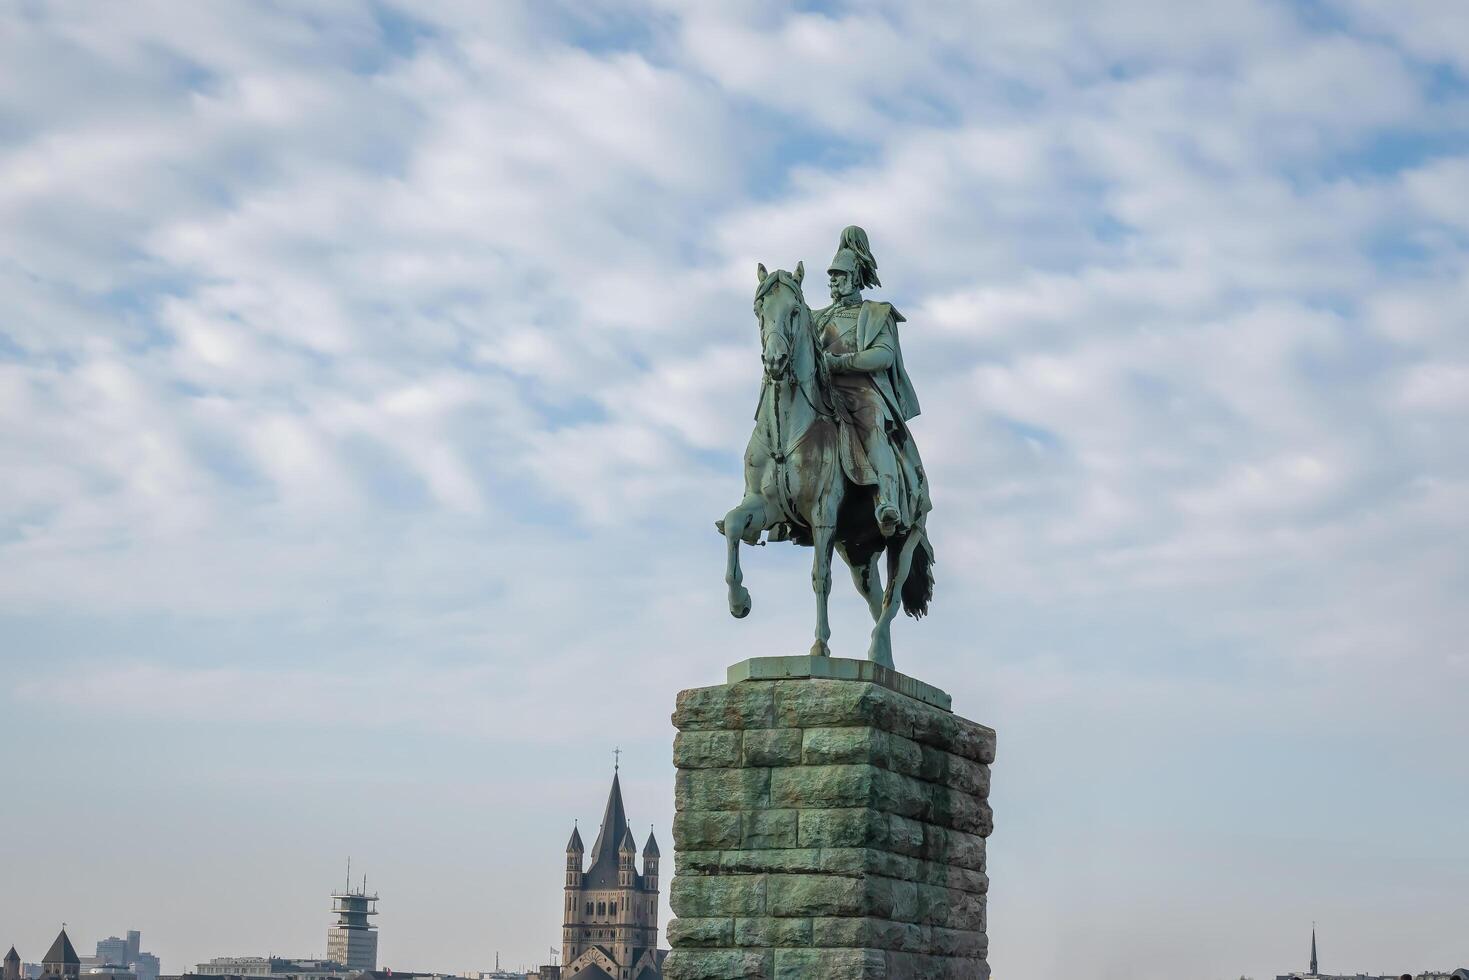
(831, 824)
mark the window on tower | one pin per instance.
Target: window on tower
(612, 909)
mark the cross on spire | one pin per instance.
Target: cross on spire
(616, 758)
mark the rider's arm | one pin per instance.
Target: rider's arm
(869, 361)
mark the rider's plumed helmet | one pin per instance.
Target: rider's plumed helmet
(845, 261)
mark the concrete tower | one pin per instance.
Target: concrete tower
(610, 929)
(352, 940)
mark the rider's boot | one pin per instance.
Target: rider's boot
(888, 516)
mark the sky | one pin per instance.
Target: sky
(372, 373)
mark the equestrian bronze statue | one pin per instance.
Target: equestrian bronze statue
(832, 463)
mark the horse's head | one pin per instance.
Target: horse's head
(785, 320)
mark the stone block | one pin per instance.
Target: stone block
(773, 747)
(767, 931)
(710, 896)
(728, 707)
(845, 827)
(866, 930)
(823, 787)
(815, 894)
(840, 704)
(695, 931)
(705, 830)
(943, 845)
(721, 789)
(719, 964)
(770, 828)
(830, 964)
(790, 860)
(706, 750)
(696, 862)
(954, 771)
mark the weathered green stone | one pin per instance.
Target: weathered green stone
(830, 964)
(703, 830)
(841, 823)
(687, 931)
(773, 747)
(721, 789)
(868, 860)
(823, 787)
(837, 704)
(719, 964)
(788, 860)
(708, 896)
(865, 930)
(727, 707)
(696, 862)
(770, 828)
(954, 771)
(815, 894)
(766, 931)
(943, 845)
(706, 750)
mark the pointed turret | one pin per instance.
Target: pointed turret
(574, 852)
(650, 862)
(627, 853)
(61, 959)
(1314, 967)
(12, 965)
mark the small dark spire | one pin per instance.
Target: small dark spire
(62, 953)
(574, 846)
(628, 844)
(1314, 968)
(650, 849)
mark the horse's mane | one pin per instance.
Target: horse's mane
(823, 376)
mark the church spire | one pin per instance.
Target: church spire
(1315, 971)
(614, 826)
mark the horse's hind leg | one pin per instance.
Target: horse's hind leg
(822, 537)
(867, 579)
(881, 649)
(737, 524)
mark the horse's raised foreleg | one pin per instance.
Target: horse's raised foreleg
(822, 538)
(739, 523)
(880, 651)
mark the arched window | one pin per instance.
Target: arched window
(612, 909)
(589, 908)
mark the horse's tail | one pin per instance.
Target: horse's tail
(918, 587)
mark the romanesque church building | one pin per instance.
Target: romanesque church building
(610, 929)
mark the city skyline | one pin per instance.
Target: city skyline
(372, 375)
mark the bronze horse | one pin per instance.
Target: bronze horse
(795, 486)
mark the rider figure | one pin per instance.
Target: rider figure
(860, 338)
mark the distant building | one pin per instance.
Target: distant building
(610, 916)
(352, 939)
(116, 952)
(1314, 973)
(11, 970)
(272, 966)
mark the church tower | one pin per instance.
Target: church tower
(610, 925)
(61, 961)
